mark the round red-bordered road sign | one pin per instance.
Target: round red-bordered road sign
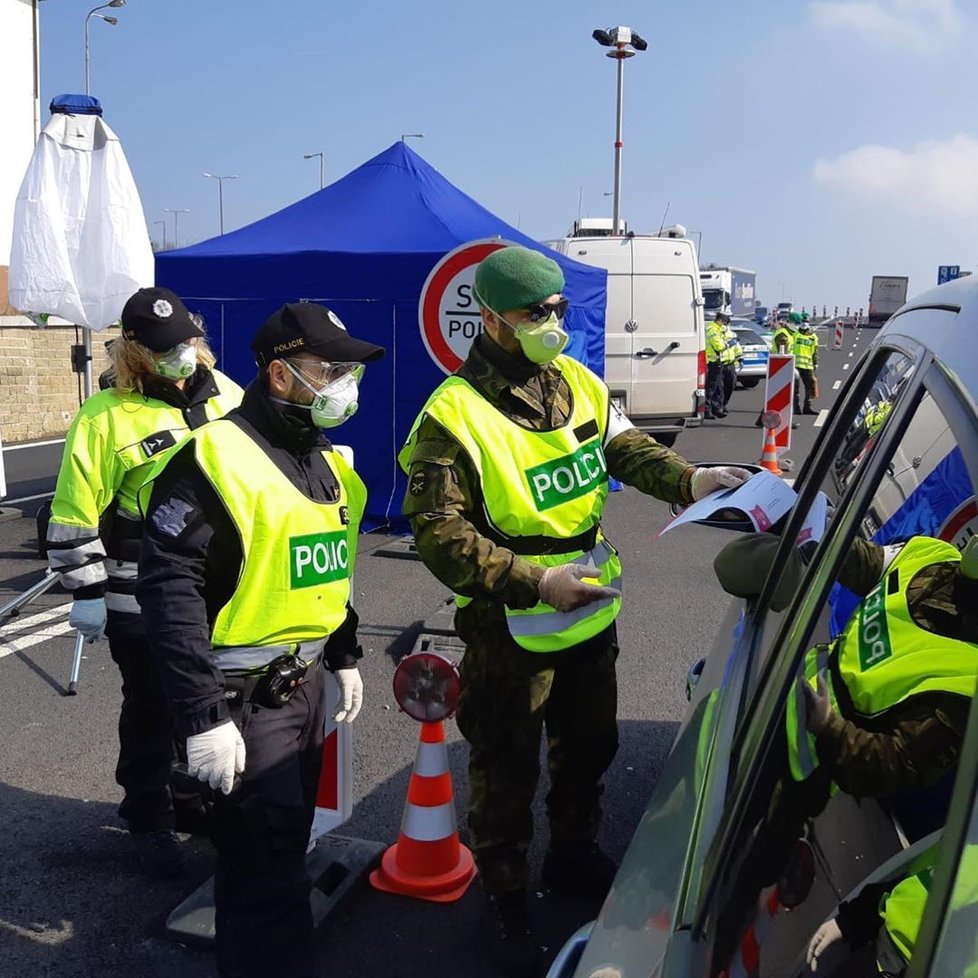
(448, 313)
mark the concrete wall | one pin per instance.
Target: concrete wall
(39, 393)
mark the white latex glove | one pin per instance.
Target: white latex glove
(351, 694)
(827, 935)
(88, 616)
(715, 477)
(818, 706)
(563, 587)
(215, 756)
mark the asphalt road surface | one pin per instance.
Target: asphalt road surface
(71, 901)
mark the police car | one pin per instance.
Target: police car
(897, 457)
(753, 368)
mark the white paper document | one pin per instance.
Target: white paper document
(761, 501)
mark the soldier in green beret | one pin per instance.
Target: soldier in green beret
(508, 466)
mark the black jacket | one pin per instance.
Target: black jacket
(188, 572)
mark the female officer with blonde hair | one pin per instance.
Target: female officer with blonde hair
(163, 385)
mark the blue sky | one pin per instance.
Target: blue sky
(816, 142)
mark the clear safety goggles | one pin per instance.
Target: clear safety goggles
(321, 374)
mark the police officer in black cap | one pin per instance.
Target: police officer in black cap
(162, 386)
(250, 540)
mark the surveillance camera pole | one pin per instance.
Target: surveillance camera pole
(624, 42)
(619, 54)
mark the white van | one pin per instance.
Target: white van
(655, 359)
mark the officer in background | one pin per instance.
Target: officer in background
(732, 359)
(162, 385)
(805, 349)
(882, 708)
(783, 342)
(251, 535)
(784, 335)
(508, 467)
(717, 357)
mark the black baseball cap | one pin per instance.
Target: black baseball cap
(307, 327)
(158, 319)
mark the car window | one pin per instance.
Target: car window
(748, 336)
(909, 478)
(893, 372)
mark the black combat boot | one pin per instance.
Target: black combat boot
(511, 938)
(579, 869)
(160, 853)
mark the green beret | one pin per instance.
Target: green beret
(795, 317)
(516, 277)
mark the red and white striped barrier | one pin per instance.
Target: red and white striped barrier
(334, 796)
(747, 960)
(778, 395)
(837, 345)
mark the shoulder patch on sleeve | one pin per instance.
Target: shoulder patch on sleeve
(435, 451)
(174, 516)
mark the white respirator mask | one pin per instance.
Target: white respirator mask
(333, 403)
(178, 363)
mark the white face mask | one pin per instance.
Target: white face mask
(333, 404)
(178, 363)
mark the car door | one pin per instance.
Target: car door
(850, 839)
(667, 329)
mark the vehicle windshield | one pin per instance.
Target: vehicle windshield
(748, 337)
(713, 298)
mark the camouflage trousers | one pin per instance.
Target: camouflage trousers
(508, 695)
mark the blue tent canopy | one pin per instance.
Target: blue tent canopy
(364, 246)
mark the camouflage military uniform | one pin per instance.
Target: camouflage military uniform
(508, 693)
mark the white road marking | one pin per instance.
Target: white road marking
(43, 634)
(852, 354)
(42, 933)
(823, 416)
(16, 636)
(837, 385)
(845, 366)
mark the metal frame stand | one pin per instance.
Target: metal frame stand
(12, 609)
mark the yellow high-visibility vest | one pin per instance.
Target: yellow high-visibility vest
(550, 486)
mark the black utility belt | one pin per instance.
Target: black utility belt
(541, 546)
(274, 686)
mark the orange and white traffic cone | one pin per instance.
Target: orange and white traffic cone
(427, 861)
(769, 456)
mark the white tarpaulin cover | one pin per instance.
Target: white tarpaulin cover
(80, 245)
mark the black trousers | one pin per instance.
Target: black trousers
(146, 738)
(729, 381)
(714, 388)
(260, 831)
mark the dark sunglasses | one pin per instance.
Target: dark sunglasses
(542, 310)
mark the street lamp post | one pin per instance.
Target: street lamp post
(312, 156)
(87, 379)
(622, 39)
(112, 21)
(176, 212)
(220, 191)
(163, 223)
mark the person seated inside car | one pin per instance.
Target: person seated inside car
(881, 708)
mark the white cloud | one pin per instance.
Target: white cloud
(937, 177)
(915, 23)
